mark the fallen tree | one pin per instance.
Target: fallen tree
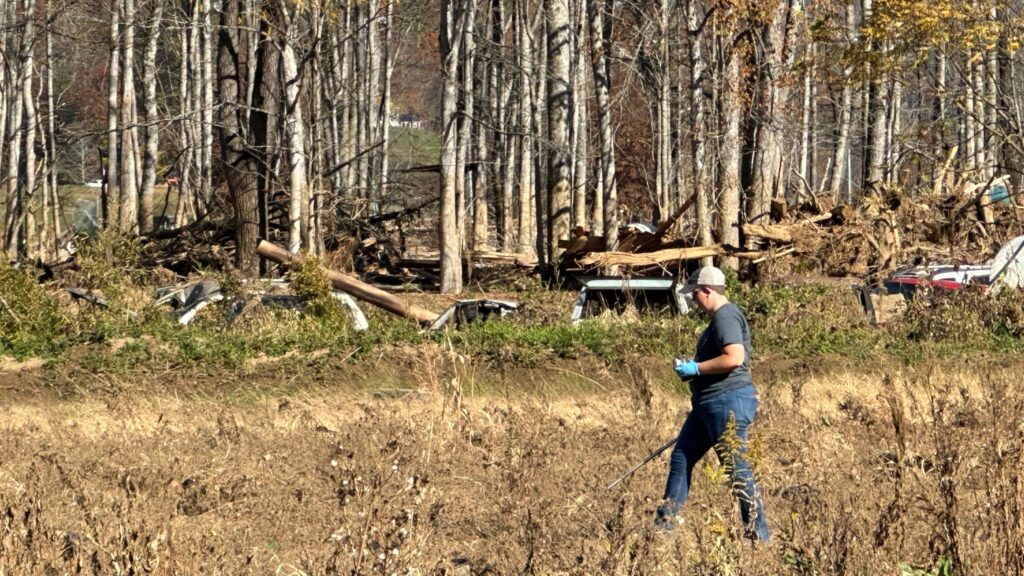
(352, 286)
(649, 258)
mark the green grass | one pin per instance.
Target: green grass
(414, 146)
(789, 322)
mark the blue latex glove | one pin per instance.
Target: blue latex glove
(686, 369)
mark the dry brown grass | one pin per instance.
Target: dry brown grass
(861, 473)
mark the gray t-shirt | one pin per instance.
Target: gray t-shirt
(728, 326)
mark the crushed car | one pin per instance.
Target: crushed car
(660, 296)
(889, 298)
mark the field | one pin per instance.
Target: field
(862, 474)
(489, 452)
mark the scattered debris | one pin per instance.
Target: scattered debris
(354, 287)
(888, 300)
(469, 311)
(292, 302)
(188, 299)
(89, 296)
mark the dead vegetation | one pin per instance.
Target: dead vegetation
(863, 474)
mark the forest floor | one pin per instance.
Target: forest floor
(288, 445)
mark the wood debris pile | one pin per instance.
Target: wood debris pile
(957, 222)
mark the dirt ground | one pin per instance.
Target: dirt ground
(440, 467)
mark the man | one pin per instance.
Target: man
(722, 391)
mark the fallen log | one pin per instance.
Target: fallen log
(650, 258)
(769, 232)
(512, 258)
(352, 286)
(783, 233)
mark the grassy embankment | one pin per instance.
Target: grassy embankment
(790, 323)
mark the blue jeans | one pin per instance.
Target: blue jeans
(703, 430)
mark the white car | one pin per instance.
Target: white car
(94, 184)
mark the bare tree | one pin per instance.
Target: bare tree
(25, 224)
(600, 16)
(559, 99)
(111, 197)
(240, 163)
(842, 149)
(697, 126)
(526, 128)
(149, 163)
(486, 86)
(730, 151)
(451, 38)
(294, 127)
(129, 205)
(768, 172)
(579, 115)
(51, 235)
(465, 117)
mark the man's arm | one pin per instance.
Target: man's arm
(732, 357)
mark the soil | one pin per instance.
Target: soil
(425, 464)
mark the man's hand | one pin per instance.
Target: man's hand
(686, 369)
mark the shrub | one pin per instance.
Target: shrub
(310, 282)
(31, 323)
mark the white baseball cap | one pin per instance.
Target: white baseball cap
(707, 276)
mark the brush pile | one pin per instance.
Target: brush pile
(959, 222)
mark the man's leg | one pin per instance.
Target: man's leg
(693, 443)
(741, 406)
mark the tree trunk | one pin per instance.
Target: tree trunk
(465, 119)
(526, 128)
(451, 38)
(731, 157)
(877, 136)
(503, 143)
(842, 149)
(373, 119)
(200, 199)
(205, 168)
(183, 212)
(978, 134)
(128, 215)
(559, 98)
(486, 85)
(314, 232)
(51, 143)
(26, 224)
(892, 149)
(698, 128)
(111, 196)
(149, 163)
(4, 101)
(663, 133)
(294, 129)
(993, 146)
(806, 137)
(540, 125)
(768, 178)
(14, 182)
(389, 60)
(580, 116)
(240, 165)
(600, 16)
(362, 104)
